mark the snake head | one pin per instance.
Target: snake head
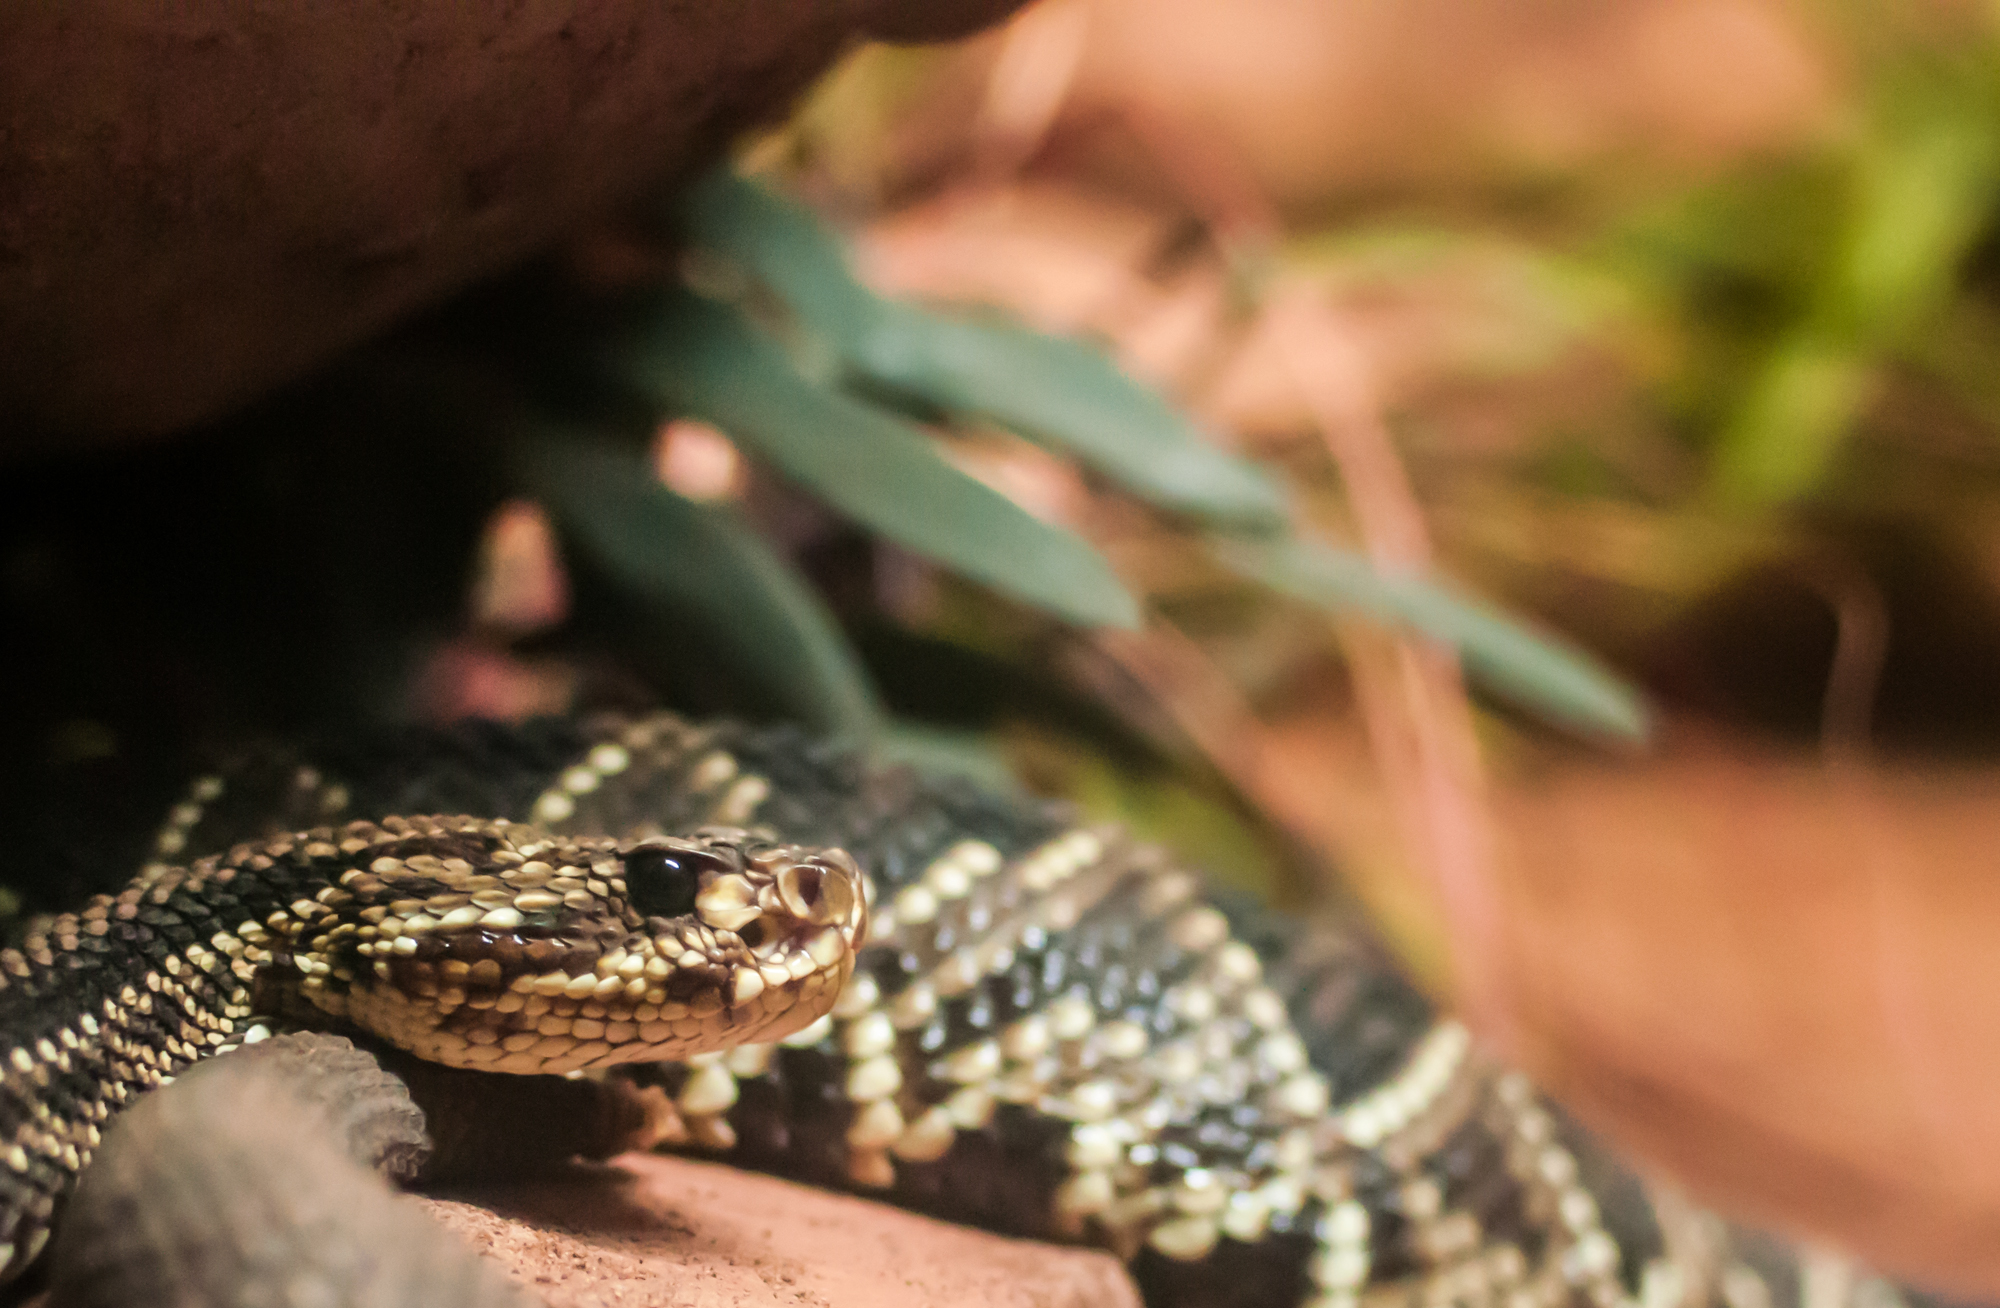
(500, 946)
(777, 917)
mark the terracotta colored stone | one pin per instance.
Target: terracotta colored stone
(1775, 980)
(201, 200)
(670, 1231)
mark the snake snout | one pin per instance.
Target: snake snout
(764, 893)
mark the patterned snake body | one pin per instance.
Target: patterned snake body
(1050, 1030)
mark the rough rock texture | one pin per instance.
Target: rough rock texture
(669, 1231)
(201, 200)
(197, 1194)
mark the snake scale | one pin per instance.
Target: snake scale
(864, 978)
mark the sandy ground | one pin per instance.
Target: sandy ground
(674, 1233)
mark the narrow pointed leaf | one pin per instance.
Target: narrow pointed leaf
(697, 574)
(783, 245)
(1536, 670)
(1060, 393)
(697, 357)
(1067, 396)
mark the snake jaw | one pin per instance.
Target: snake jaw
(499, 946)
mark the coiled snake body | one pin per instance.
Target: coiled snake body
(1047, 1029)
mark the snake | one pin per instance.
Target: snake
(878, 979)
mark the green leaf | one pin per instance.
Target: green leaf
(781, 244)
(697, 357)
(1065, 396)
(684, 570)
(1059, 393)
(1537, 671)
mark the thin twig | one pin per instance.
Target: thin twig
(1203, 702)
(1860, 647)
(1894, 879)
(1413, 700)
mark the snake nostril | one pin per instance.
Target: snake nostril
(800, 885)
(815, 893)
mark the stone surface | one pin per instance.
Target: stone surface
(671, 1231)
(199, 201)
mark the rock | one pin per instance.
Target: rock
(653, 1230)
(202, 200)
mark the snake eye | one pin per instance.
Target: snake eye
(662, 880)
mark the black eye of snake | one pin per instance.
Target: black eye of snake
(662, 882)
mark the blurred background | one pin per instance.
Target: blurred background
(1668, 323)
(1670, 326)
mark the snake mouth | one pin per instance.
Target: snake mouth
(497, 946)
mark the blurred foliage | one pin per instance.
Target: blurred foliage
(1497, 652)
(1645, 388)
(661, 556)
(1055, 392)
(364, 520)
(1736, 398)
(702, 356)
(1792, 286)
(1694, 414)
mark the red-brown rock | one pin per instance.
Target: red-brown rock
(662, 1231)
(201, 200)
